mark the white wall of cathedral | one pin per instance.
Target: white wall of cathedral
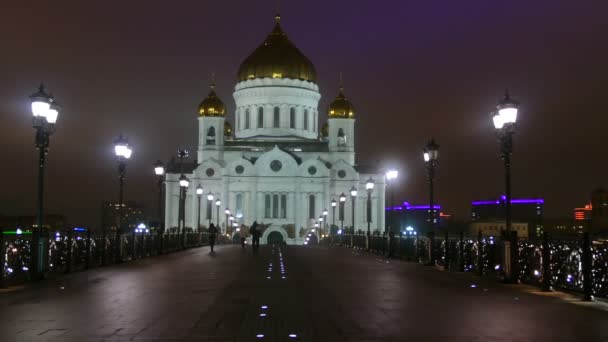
(244, 189)
(276, 107)
(210, 137)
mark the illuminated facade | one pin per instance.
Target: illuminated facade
(416, 217)
(523, 210)
(584, 213)
(276, 165)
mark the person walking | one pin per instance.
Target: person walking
(255, 236)
(212, 235)
(243, 235)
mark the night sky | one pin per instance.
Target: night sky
(413, 69)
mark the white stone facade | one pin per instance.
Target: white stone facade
(276, 170)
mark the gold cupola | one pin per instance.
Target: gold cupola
(277, 57)
(325, 130)
(341, 108)
(211, 105)
(227, 129)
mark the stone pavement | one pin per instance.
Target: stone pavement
(289, 294)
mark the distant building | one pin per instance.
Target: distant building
(565, 225)
(599, 212)
(52, 222)
(523, 210)
(495, 228)
(583, 213)
(415, 216)
(132, 215)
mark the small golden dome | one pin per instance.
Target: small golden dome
(325, 130)
(227, 129)
(277, 57)
(211, 105)
(341, 108)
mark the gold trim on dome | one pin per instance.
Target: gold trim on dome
(277, 57)
(341, 108)
(212, 105)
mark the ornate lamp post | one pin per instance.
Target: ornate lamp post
(123, 153)
(391, 176)
(182, 154)
(159, 170)
(227, 212)
(325, 212)
(209, 207)
(353, 197)
(199, 194)
(430, 154)
(341, 211)
(504, 119)
(333, 211)
(183, 187)
(369, 187)
(45, 111)
(218, 203)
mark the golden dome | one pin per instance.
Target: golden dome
(277, 57)
(211, 105)
(341, 108)
(325, 130)
(227, 129)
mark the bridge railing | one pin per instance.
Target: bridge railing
(576, 263)
(70, 250)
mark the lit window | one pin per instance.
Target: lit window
(277, 75)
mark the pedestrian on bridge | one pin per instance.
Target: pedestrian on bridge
(243, 235)
(212, 235)
(255, 236)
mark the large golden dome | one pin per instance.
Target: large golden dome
(341, 108)
(277, 57)
(211, 105)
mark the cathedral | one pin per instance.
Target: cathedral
(277, 165)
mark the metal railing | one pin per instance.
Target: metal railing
(72, 251)
(576, 263)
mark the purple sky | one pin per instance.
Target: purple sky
(414, 70)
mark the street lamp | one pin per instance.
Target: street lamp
(199, 194)
(183, 187)
(182, 154)
(159, 170)
(123, 152)
(341, 210)
(369, 187)
(391, 176)
(227, 212)
(209, 207)
(431, 154)
(333, 211)
(218, 203)
(504, 119)
(325, 212)
(353, 197)
(45, 111)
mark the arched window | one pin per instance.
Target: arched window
(247, 119)
(292, 118)
(283, 206)
(239, 205)
(341, 138)
(211, 136)
(267, 206)
(260, 117)
(275, 206)
(276, 118)
(306, 119)
(311, 207)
